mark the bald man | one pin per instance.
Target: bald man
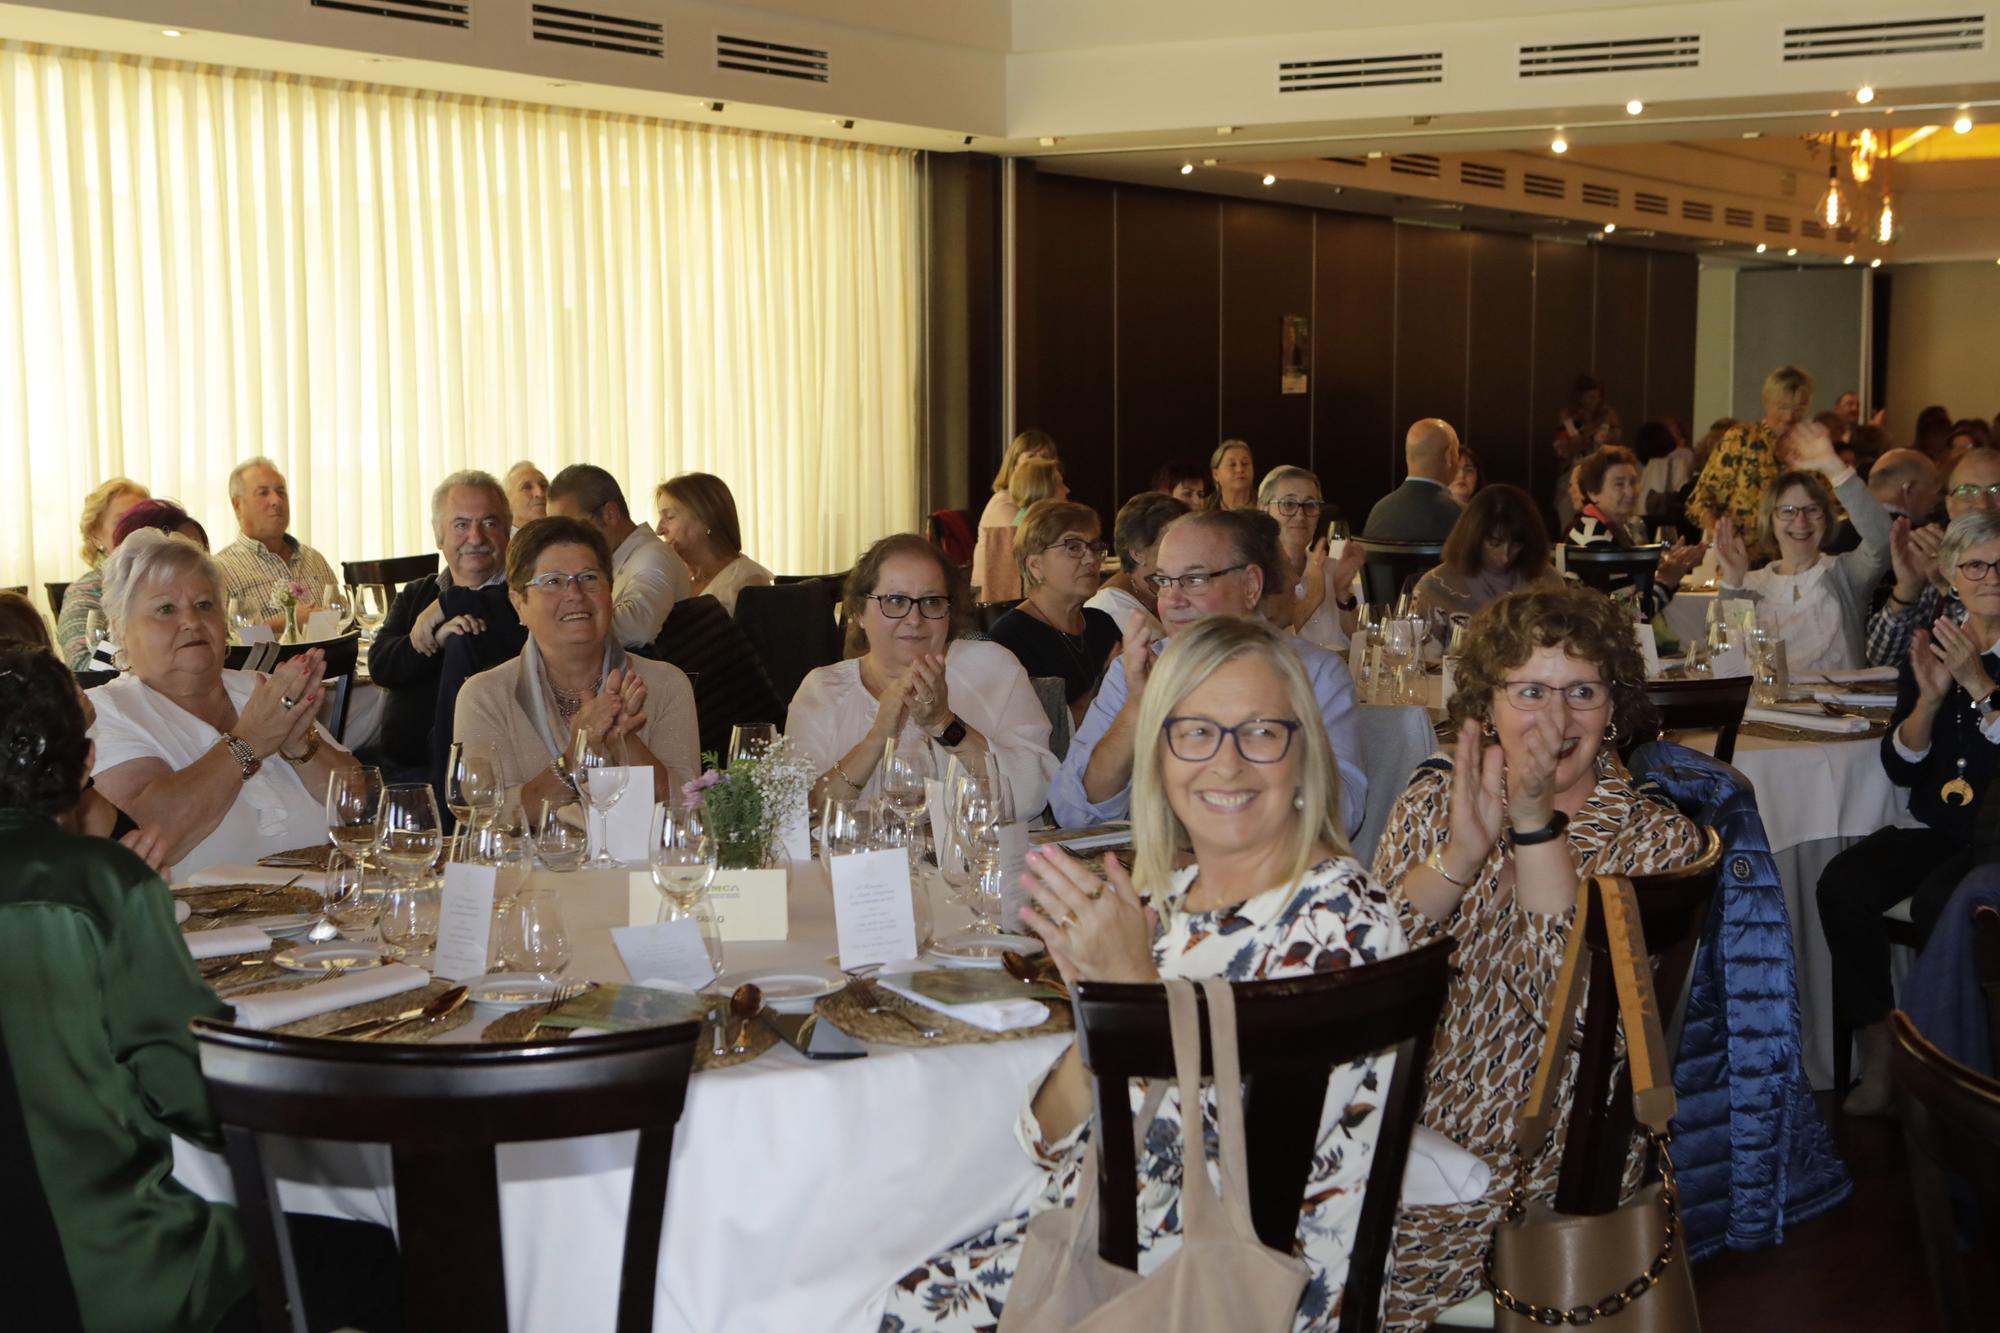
(1421, 509)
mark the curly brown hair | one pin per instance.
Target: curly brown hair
(1582, 622)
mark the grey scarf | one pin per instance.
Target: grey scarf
(534, 691)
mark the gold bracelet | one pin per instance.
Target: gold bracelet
(312, 748)
(1436, 862)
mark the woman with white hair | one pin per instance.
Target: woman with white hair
(1235, 765)
(230, 765)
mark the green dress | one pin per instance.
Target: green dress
(96, 990)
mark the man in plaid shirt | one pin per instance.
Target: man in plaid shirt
(1921, 595)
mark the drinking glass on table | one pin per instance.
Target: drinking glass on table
(411, 831)
(598, 760)
(904, 779)
(333, 597)
(371, 606)
(410, 917)
(561, 843)
(532, 938)
(246, 612)
(846, 827)
(473, 789)
(682, 855)
(750, 739)
(354, 823)
(973, 873)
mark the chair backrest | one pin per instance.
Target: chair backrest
(990, 613)
(1053, 694)
(343, 656)
(837, 581)
(39, 1291)
(1388, 566)
(441, 1110)
(792, 628)
(1292, 1034)
(1951, 1128)
(1698, 705)
(392, 573)
(90, 680)
(730, 683)
(20, 588)
(1609, 568)
(56, 592)
(1986, 958)
(1673, 905)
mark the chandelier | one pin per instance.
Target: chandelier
(1865, 201)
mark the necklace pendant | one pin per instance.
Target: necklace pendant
(1958, 791)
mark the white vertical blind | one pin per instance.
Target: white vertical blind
(376, 287)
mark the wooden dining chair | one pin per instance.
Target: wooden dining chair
(1703, 705)
(792, 628)
(56, 593)
(1389, 567)
(442, 1110)
(1951, 1129)
(392, 573)
(1292, 1034)
(729, 682)
(990, 614)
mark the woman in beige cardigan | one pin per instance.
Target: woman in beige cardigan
(572, 674)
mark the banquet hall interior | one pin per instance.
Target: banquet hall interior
(745, 571)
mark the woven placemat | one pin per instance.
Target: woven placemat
(238, 903)
(319, 856)
(1771, 731)
(321, 1024)
(525, 1025)
(236, 970)
(847, 1011)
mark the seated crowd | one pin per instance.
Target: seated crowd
(1212, 704)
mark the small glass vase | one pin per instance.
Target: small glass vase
(291, 623)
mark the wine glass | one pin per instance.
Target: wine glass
(411, 830)
(904, 779)
(748, 740)
(348, 901)
(371, 606)
(333, 597)
(473, 789)
(246, 612)
(561, 843)
(354, 823)
(410, 916)
(682, 855)
(976, 852)
(845, 828)
(533, 938)
(598, 761)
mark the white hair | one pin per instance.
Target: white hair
(1966, 531)
(248, 465)
(470, 477)
(145, 560)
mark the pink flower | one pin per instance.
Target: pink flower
(691, 791)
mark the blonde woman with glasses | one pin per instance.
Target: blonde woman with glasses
(1236, 771)
(1059, 553)
(1324, 607)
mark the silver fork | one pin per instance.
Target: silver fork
(874, 1003)
(565, 992)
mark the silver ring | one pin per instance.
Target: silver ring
(288, 701)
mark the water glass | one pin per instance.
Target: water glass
(246, 611)
(412, 833)
(333, 597)
(599, 764)
(532, 938)
(348, 903)
(473, 788)
(975, 857)
(354, 810)
(410, 917)
(371, 606)
(682, 854)
(750, 739)
(561, 843)
(846, 827)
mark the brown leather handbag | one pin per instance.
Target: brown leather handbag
(1625, 1268)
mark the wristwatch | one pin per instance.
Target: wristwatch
(1348, 605)
(246, 758)
(953, 734)
(1548, 833)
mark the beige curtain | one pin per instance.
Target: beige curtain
(376, 287)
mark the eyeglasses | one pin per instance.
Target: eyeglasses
(1978, 570)
(1261, 740)
(1790, 512)
(1585, 696)
(1190, 582)
(584, 581)
(1291, 506)
(1076, 548)
(1967, 491)
(896, 605)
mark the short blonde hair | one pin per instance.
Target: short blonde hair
(1045, 522)
(1788, 384)
(1035, 479)
(1190, 658)
(1029, 443)
(147, 559)
(95, 505)
(1222, 452)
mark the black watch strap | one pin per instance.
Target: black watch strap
(1549, 833)
(953, 734)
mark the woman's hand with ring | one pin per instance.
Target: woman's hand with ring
(1094, 930)
(271, 714)
(930, 698)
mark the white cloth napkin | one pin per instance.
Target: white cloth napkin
(1438, 1171)
(181, 912)
(288, 1006)
(1849, 675)
(1778, 717)
(993, 1015)
(238, 872)
(228, 940)
(1854, 699)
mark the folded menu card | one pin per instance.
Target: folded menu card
(624, 1008)
(984, 998)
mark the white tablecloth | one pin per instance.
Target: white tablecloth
(799, 1190)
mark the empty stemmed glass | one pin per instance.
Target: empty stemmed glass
(411, 836)
(348, 902)
(246, 612)
(354, 823)
(747, 740)
(598, 760)
(473, 789)
(683, 858)
(532, 938)
(561, 843)
(371, 606)
(904, 778)
(972, 860)
(333, 597)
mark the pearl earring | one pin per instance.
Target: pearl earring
(1298, 800)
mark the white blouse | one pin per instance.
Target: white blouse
(988, 689)
(273, 812)
(1806, 614)
(1126, 609)
(1323, 627)
(732, 578)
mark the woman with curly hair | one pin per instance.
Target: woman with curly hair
(1488, 846)
(102, 510)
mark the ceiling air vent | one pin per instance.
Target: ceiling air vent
(1543, 187)
(445, 13)
(1739, 217)
(1645, 202)
(1693, 210)
(1415, 164)
(1776, 225)
(1609, 57)
(600, 32)
(1361, 162)
(777, 60)
(1811, 230)
(1847, 233)
(1333, 73)
(1601, 196)
(1888, 37)
(1482, 174)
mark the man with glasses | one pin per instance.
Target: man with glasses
(1211, 564)
(647, 578)
(1921, 593)
(469, 517)
(1422, 508)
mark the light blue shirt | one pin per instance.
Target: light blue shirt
(1332, 686)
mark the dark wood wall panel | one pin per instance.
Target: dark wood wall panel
(1267, 258)
(1073, 316)
(1563, 308)
(1622, 327)
(1169, 345)
(1356, 445)
(1499, 421)
(1674, 287)
(1432, 304)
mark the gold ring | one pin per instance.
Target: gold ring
(1069, 919)
(1097, 893)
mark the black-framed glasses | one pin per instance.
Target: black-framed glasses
(1966, 490)
(896, 605)
(1292, 506)
(1261, 740)
(1076, 548)
(1790, 512)
(1585, 696)
(585, 581)
(1978, 570)
(1190, 582)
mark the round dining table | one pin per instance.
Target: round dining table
(799, 1190)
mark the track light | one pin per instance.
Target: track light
(170, 32)
(1610, 227)
(1864, 94)
(1792, 252)
(1963, 124)
(1761, 247)
(1269, 179)
(1187, 168)
(1848, 260)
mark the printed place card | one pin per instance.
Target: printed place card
(795, 835)
(1649, 648)
(465, 921)
(751, 904)
(1731, 661)
(873, 913)
(629, 824)
(669, 949)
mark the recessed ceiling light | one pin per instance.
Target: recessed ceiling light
(1559, 145)
(1834, 114)
(1374, 154)
(1634, 107)
(1753, 134)
(1874, 263)
(1864, 94)
(1187, 168)
(170, 32)
(1610, 227)
(1225, 130)
(1270, 179)
(1791, 252)
(1848, 260)
(1208, 161)
(1761, 247)
(1963, 124)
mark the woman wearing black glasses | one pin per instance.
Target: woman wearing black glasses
(910, 678)
(1060, 554)
(1487, 846)
(1323, 603)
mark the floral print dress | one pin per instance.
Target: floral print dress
(1335, 917)
(1732, 482)
(1490, 1037)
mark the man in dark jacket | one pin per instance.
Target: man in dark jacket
(1422, 508)
(470, 515)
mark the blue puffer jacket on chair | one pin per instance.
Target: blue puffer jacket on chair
(1752, 1151)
